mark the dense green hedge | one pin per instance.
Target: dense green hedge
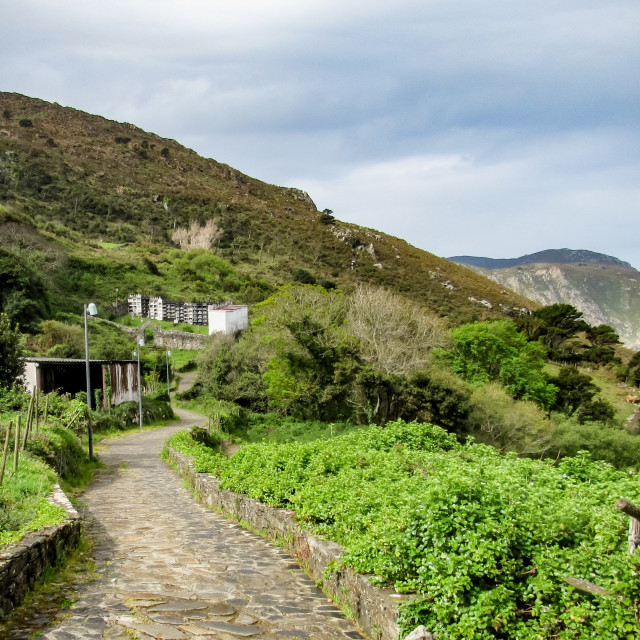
(484, 540)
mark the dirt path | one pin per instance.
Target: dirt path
(169, 569)
(186, 381)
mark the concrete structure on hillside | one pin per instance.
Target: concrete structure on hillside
(68, 375)
(197, 313)
(228, 319)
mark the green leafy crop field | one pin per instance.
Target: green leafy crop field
(483, 540)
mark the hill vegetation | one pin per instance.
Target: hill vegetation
(88, 205)
(604, 288)
(349, 327)
(483, 542)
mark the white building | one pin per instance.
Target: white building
(228, 319)
(138, 305)
(157, 309)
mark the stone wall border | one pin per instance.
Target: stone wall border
(374, 609)
(23, 563)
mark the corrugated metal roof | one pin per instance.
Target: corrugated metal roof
(75, 361)
(229, 307)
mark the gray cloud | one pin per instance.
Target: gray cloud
(498, 127)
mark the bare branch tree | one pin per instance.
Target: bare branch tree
(395, 333)
(197, 236)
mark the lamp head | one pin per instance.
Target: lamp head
(92, 310)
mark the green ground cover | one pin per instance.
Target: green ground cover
(183, 359)
(23, 503)
(484, 540)
(135, 321)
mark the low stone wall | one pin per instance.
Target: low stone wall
(374, 609)
(23, 563)
(168, 338)
(171, 339)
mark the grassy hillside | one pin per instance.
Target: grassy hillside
(88, 205)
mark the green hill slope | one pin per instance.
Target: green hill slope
(89, 205)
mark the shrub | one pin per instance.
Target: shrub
(13, 398)
(483, 540)
(304, 276)
(60, 448)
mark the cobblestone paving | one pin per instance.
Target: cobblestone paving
(170, 569)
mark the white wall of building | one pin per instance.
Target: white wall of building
(229, 319)
(30, 376)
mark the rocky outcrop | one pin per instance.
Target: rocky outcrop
(606, 293)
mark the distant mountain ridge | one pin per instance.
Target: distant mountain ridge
(548, 256)
(605, 289)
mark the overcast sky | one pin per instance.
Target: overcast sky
(479, 127)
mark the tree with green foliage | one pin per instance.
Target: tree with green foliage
(231, 369)
(576, 397)
(633, 370)
(554, 326)
(496, 351)
(602, 339)
(11, 364)
(23, 292)
(602, 335)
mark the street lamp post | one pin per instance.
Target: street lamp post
(89, 309)
(168, 379)
(116, 301)
(140, 344)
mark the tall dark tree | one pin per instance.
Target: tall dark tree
(559, 323)
(576, 390)
(602, 335)
(11, 364)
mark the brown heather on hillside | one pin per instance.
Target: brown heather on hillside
(81, 179)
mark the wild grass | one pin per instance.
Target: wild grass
(23, 504)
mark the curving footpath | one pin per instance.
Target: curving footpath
(169, 569)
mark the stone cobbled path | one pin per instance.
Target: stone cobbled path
(169, 569)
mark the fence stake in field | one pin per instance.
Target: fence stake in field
(16, 448)
(5, 451)
(46, 410)
(634, 523)
(36, 402)
(27, 428)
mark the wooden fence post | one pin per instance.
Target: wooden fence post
(46, 409)
(5, 451)
(634, 523)
(16, 448)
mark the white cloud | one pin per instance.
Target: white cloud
(493, 127)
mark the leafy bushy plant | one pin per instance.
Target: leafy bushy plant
(13, 398)
(60, 448)
(495, 351)
(11, 365)
(483, 540)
